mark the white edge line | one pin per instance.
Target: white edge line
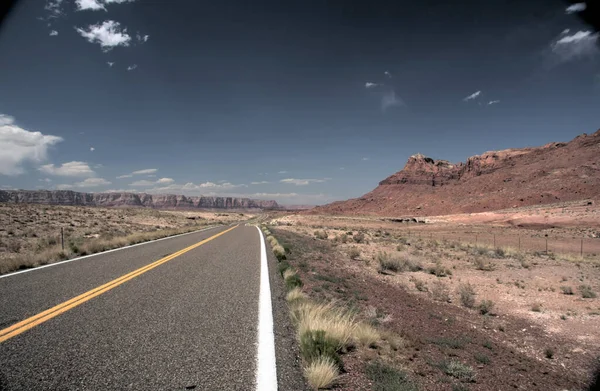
(266, 369)
(101, 253)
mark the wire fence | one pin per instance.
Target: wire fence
(588, 247)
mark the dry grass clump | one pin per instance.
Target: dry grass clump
(366, 335)
(295, 295)
(403, 262)
(337, 323)
(321, 373)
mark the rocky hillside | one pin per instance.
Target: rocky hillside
(494, 180)
(160, 201)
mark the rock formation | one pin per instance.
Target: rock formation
(494, 180)
(157, 201)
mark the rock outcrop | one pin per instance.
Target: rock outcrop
(157, 201)
(494, 180)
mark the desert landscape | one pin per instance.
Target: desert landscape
(30, 234)
(472, 276)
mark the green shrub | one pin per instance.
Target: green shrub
(440, 292)
(282, 267)
(321, 235)
(293, 281)
(359, 237)
(567, 290)
(386, 378)
(459, 371)
(587, 292)
(354, 253)
(439, 270)
(420, 285)
(315, 344)
(482, 358)
(486, 307)
(467, 295)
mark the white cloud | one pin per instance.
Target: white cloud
(200, 188)
(110, 64)
(18, 145)
(151, 176)
(260, 183)
(302, 182)
(565, 31)
(95, 5)
(145, 171)
(54, 8)
(89, 182)
(108, 34)
(365, 158)
(120, 191)
(92, 182)
(472, 96)
(342, 168)
(132, 67)
(282, 172)
(53, 33)
(387, 74)
(142, 38)
(370, 85)
(578, 45)
(165, 180)
(143, 182)
(389, 99)
(577, 7)
(92, 149)
(68, 169)
(493, 102)
(91, 5)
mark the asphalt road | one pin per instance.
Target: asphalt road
(189, 322)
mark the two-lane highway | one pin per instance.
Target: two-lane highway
(168, 315)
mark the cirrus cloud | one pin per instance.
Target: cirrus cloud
(582, 44)
(303, 182)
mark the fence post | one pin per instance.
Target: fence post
(62, 238)
(581, 249)
(546, 245)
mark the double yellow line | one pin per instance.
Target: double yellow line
(42, 317)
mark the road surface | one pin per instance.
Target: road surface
(175, 314)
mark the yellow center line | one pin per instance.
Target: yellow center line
(50, 313)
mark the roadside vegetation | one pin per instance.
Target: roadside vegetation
(325, 330)
(446, 299)
(31, 234)
(53, 252)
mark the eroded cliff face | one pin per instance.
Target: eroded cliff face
(157, 201)
(493, 180)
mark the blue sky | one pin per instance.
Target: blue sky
(304, 102)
